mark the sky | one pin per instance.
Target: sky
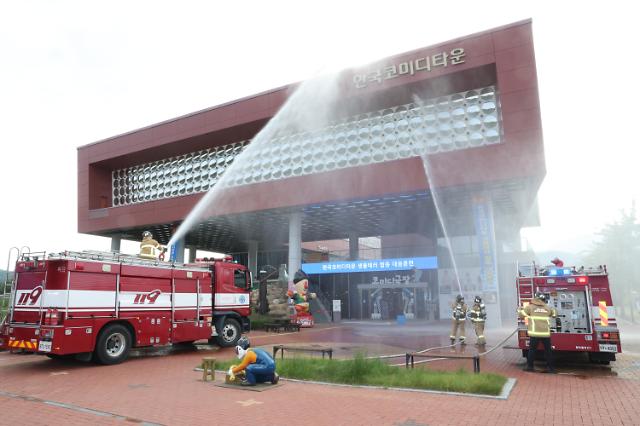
(75, 72)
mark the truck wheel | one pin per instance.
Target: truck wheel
(229, 334)
(113, 344)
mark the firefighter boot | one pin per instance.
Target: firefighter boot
(479, 329)
(454, 331)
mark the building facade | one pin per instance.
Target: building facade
(433, 157)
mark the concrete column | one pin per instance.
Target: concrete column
(252, 246)
(192, 254)
(115, 243)
(354, 246)
(295, 244)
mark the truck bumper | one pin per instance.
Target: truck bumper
(20, 338)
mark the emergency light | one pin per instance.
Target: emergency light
(560, 272)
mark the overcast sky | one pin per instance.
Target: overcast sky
(72, 73)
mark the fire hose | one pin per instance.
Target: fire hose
(480, 354)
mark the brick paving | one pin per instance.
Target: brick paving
(161, 387)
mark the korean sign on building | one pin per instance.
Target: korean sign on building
(410, 67)
(351, 266)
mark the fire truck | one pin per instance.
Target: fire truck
(99, 305)
(585, 315)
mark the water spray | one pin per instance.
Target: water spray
(427, 169)
(307, 108)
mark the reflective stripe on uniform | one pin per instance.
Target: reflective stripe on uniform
(532, 331)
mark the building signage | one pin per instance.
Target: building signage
(483, 216)
(351, 266)
(411, 67)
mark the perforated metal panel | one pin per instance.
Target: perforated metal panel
(459, 121)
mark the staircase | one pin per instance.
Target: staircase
(320, 306)
(320, 313)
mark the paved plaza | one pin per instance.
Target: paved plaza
(161, 386)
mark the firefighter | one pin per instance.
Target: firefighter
(557, 262)
(148, 246)
(258, 366)
(478, 316)
(458, 318)
(537, 315)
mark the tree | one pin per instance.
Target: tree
(619, 248)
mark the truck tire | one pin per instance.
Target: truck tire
(600, 358)
(113, 345)
(229, 334)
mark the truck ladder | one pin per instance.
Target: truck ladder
(526, 272)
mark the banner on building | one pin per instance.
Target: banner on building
(483, 217)
(377, 265)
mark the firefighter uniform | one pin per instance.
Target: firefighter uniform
(148, 246)
(478, 317)
(537, 315)
(458, 318)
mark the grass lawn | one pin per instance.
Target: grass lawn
(373, 372)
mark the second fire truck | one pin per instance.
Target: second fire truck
(585, 315)
(100, 305)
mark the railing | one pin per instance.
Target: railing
(531, 269)
(105, 256)
(409, 360)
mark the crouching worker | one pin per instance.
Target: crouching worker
(257, 365)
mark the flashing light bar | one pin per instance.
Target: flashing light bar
(560, 272)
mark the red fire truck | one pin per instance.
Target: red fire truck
(99, 304)
(585, 320)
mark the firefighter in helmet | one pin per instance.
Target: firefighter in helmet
(478, 316)
(458, 318)
(537, 315)
(557, 262)
(256, 364)
(148, 246)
